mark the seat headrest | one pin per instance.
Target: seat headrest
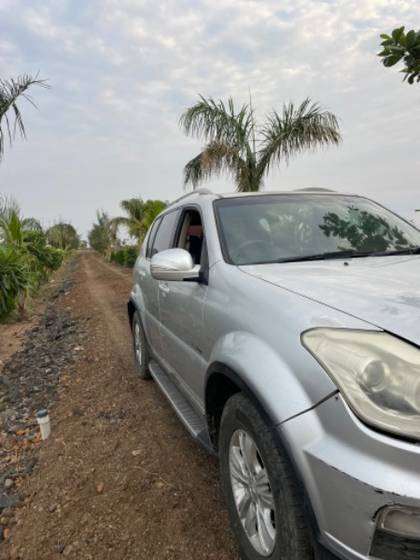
(195, 231)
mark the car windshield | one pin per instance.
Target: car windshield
(275, 228)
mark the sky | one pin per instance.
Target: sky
(122, 71)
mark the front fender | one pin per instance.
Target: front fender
(136, 296)
(272, 382)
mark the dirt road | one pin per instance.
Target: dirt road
(119, 478)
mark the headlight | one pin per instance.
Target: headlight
(377, 374)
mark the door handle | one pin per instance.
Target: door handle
(164, 288)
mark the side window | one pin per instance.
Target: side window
(151, 238)
(164, 234)
(191, 235)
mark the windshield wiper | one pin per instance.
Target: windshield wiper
(327, 255)
(350, 254)
(407, 251)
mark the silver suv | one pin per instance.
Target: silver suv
(284, 329)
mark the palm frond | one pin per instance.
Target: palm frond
(11, 230)
(215, 121)
(230, 136)
(193, 171)
(297, 129)
(134, 208)
(216, 159)
(120, 221)
(10, 91)
(152, 208)
(8, 205)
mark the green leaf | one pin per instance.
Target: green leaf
(385, 37)
(392, 60)
(396, 49)
(397, 33)
(411, 38)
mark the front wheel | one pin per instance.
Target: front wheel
(141, 348)
(264, 503)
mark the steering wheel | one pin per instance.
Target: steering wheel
(303, 233)
(257, 242)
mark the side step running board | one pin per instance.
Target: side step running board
(194, 423)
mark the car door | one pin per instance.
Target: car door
(181, 305)
(159, 239)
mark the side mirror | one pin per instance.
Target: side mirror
(174, 264)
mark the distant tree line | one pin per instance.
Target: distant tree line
(104, 235)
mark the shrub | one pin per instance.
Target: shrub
(25, 258)
(131, 254)
(41, 258)
(55, 257)
(14, 278)
(118, 257)
(125, 257)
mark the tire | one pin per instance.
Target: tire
(140, 348)
(282, 531)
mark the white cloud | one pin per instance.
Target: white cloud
(123, 70)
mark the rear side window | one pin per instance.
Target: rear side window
(165, 233)
(151, 237)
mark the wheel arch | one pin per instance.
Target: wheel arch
(131, 309)
(135, 302)
(223, 382)
(281, 384)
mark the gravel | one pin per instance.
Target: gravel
(31, 375)
(28, 382)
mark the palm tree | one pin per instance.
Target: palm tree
(152, 209)
(10, 92)
(103, 234)
(140, 215)
(236, 144)
(134, 208)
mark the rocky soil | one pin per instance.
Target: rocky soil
(28, 383)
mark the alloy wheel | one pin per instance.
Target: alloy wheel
(138, 344)
(252, 492)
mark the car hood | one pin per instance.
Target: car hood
(384, 291)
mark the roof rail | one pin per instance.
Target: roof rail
(313, 189)
(201, 190)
